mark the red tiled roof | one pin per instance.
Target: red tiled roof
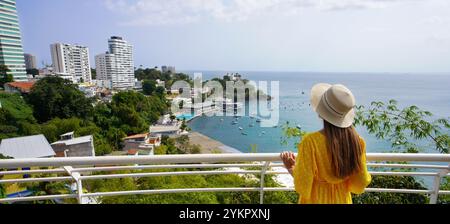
(133, 152)
(22, 86)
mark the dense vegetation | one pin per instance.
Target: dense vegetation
(55, 106)
(153, 74)
(4, 76)
(182, 182)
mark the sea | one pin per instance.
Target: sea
(429, 92)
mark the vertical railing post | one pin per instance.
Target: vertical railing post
(77, 178)
(262, 181)
(80, 191)
(437, 185)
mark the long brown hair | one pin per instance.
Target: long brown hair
(345, 150)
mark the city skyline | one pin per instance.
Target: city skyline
(399, 36)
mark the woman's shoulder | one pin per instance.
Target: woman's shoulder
(314, 136)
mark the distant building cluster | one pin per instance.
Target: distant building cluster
(168, 69)
(114, 68)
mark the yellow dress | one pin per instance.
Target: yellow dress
(314, 179)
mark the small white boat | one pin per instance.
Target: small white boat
(299, 126)
(241, 128)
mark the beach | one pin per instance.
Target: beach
(209, 145)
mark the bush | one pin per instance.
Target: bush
(392, 198)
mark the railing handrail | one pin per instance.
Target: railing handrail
(200, 158)
(79, 169)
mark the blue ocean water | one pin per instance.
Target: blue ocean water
(428, 91)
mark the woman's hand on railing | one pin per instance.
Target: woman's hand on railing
(288, 159)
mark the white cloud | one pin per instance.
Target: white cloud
(160, 12)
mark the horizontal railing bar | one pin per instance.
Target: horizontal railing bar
(404, 174)
(28, 180)
(419, 166)
(38, 171)
(211, 190)
(38, 198)
(378, 173)
(202, 158)
(193, 166)
(199, 190)
(160, 174)
(170, 191)
(402, 191)
(187, 173)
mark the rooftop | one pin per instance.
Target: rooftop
(75, 141)
(164, 128)
(137, 136)
(19, 148)
(24, 87)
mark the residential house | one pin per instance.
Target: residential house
(19, 87)
(29, 147)
(69, 146)
(142, 142)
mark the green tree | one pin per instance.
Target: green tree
(161, 150)
(160, 92)
(405, 128)
(54, 97)
(392, 182)
(94, 73)
(5, 77)
(148, 87)
(16, 117)
(34, 72)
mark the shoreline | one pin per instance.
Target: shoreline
(209, 146)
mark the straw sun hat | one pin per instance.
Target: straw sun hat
(334, 103)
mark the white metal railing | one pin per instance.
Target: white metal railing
(80, 169)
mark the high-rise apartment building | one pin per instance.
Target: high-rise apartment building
(30, 61)
(11, 51)
(105, 66)
(71, 61)
(117, 65)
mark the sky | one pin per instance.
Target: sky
(404, 36)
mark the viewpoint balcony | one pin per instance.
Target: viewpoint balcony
(77, 171)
